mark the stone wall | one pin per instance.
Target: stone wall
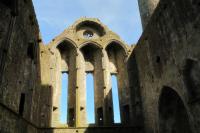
(159, 83)
(19, 72)
(102, 55)
(167, 57)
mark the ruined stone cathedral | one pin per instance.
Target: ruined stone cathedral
(158, 78)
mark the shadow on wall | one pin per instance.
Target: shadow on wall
(136, 106)
(19, 71)
(191, 74)
(136, 99)
(92, 128)
(45, 105)
(173, 117)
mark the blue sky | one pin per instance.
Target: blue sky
(121, 16)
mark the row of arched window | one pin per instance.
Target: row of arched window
(99, 75)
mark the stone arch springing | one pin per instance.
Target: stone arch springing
(116, 54)
(173, 116)
(65, 63)
(91, 56)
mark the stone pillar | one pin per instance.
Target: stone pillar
(72, 89)
(99, 88)
(55, 81)
(108, 106)
(147, 8)
(80, 91)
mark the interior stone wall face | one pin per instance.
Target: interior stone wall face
(167, 51)
(19, 67)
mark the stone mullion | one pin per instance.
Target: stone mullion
(99, 89)
(77, 87)
(55, 69)
(80, 91)
(108, 115)
(71, 90)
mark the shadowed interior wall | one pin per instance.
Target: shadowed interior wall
(167, 51)
(173, 115)
(19, 67)
(135, 93)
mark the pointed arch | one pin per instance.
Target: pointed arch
(116, 55)
(91, 54)
(65, 52)
(90, 43)
(117, 45)
(64, 41)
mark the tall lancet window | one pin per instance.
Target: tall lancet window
(90, 98)
(64, 99)
(115, 98)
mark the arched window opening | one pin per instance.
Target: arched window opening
(115, 98)
(117, 67)
(90, 108)
(65, 96)
(64, 99)
(94, 93)
(90, 98)
(173, 117)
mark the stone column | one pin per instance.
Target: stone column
(80, 91)
(55, 81)
(72, 89)
(108, 106)
(147, 8)
(98, 87)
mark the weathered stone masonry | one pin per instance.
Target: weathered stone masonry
(167, 59)
(158, 78)
(102, 55)
(19, 67)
